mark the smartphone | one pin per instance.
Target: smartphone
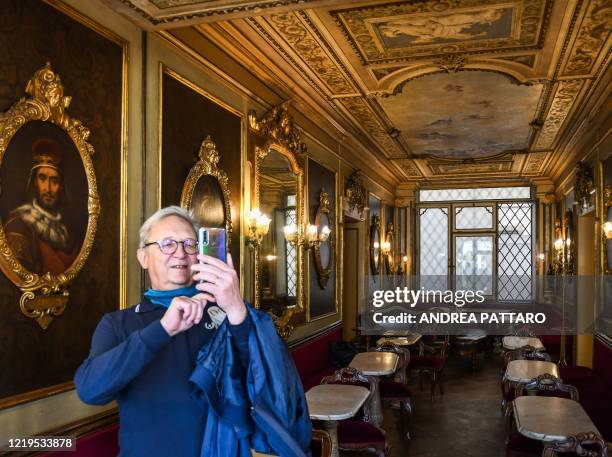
(211, 241)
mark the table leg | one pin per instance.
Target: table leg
(331, 427)
(375, 414)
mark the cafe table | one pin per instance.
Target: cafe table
(333, 402)
(373, 365)
(406, 340)
(551, 418)
(523, 371)
(515, 342)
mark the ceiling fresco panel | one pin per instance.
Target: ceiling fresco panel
(407, 30)
(463, 115)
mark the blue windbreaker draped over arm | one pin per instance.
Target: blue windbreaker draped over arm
(267, 413)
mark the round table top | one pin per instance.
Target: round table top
(515, 342)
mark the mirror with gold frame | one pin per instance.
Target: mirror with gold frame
(390, 261)
(375, 242)
(569, 243)
(206, 191)
(606, 247)
(324, 252)
(44, 241)
(278, 263)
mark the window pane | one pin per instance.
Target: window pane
(474, 263)
(433, 225)
(291, 219)
(477, 217)
(485, 193)
(514, 265)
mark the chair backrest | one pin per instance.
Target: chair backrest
(349, 375)
(547, 383)
(436, 344)
(403, 353)
(588, 444)
(526, 353)
(524, 332)
(321, 444)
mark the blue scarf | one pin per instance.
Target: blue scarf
(164, 297)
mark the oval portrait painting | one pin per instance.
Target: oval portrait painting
(43, 198)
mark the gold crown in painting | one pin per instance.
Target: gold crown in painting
(46, 153)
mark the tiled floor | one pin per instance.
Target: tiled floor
(465, 422)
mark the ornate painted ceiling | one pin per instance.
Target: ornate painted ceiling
(439, 89)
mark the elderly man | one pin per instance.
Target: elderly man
(192, 325)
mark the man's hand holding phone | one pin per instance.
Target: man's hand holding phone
(218, 280)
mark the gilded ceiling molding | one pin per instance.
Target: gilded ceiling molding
(408, 167)
(439, 169)
(360, 110)
(393, 83)
(534, 163)
(565, 96)
(199, 9)
(362, 28)
(277, 124)
(302, 41)
(591, 39)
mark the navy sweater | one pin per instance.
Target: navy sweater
(134, 361)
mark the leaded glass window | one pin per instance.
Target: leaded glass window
(515, 251)
(433, 227)
(473, 217)
(483, 193)
(291, 219)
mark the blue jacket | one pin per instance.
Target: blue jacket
(134, 361)
(269, 413)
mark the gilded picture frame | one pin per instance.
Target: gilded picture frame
(207, 166)
(40, 111)
(391, 264)
(375, 243)
(324, 211)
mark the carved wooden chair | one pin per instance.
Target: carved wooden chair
(545, 385)
(431, 360)
(320, 444)
(396, 389)
(588, 444)
(358, 434)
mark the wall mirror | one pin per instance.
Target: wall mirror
(390, 261)
(324, 252)
(606, 232)
(206, 191)
(278, 263)
(375, 244)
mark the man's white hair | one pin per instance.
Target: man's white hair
(145, 229)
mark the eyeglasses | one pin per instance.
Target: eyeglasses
(169, 246)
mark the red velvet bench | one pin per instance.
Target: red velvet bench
(313, 357)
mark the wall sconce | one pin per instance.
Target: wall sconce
(258, 225)
(607, 230)
(385, 248)
(309, 237)
(558, 260)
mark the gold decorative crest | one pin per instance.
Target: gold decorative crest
(277, 124)
(45, 295)
(356, 193)
(208, 165)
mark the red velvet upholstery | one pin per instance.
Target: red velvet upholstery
(102, 443)
(602, 362)
(312, 358)
(392, 389)
(574, 374)
(426, 361)
(353, 432)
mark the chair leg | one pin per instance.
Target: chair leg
(441, 381)
(433, 384)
